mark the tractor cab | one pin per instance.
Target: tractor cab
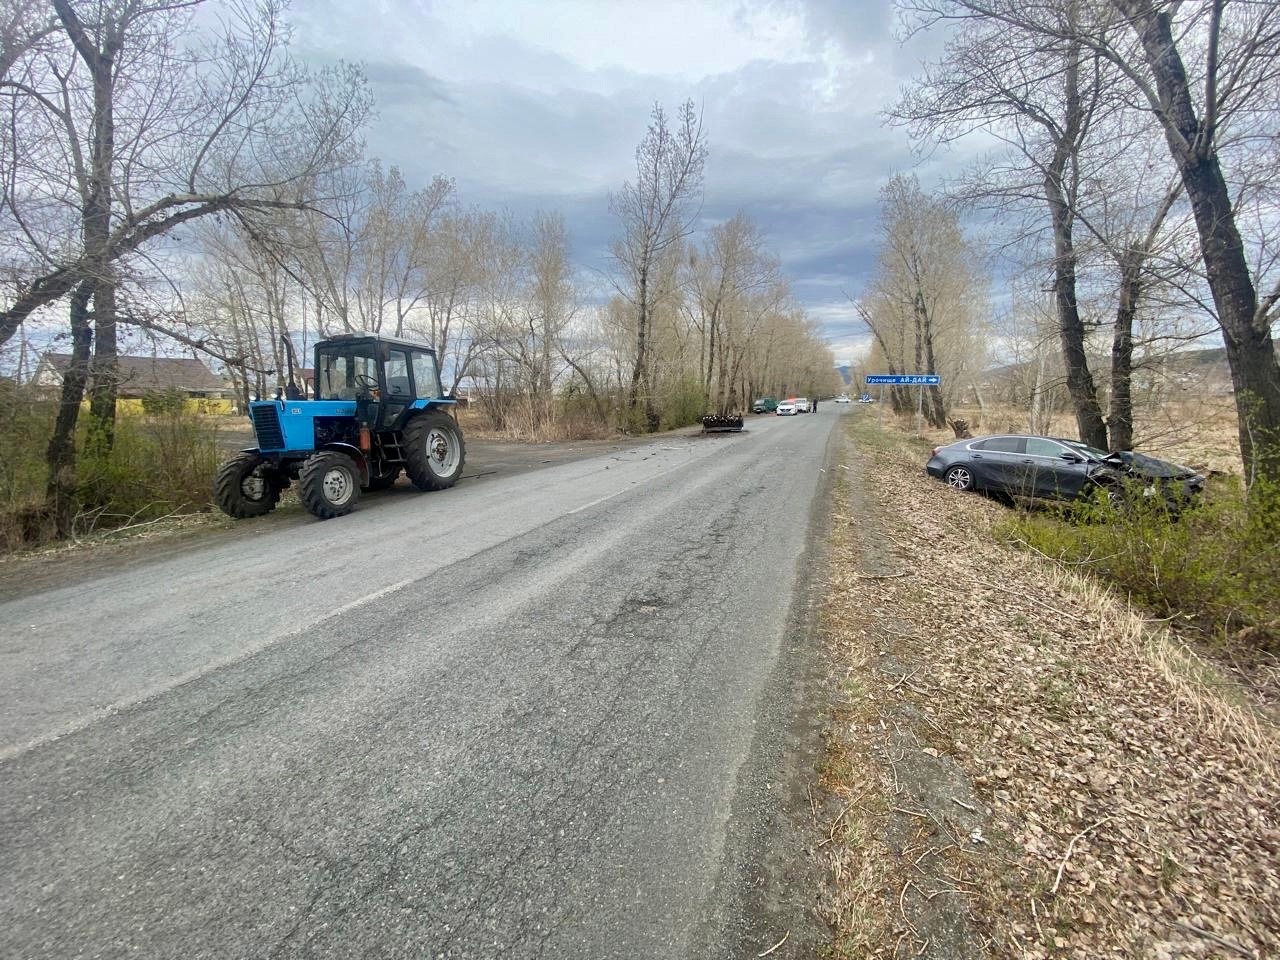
(384, 376)
(379, 410)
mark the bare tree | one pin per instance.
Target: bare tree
(1206, 71)
(1040, 99)
(924, 302)
(656, 212)
(120, 134)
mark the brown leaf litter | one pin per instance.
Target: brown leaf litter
(1023, 766)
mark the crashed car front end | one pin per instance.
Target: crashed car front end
(1173, 483)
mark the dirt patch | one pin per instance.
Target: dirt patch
(1028, 769)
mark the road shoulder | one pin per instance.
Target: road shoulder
(1023, 766)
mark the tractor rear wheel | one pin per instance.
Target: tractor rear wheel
(246, 486)
(329, 484)
(434, 451)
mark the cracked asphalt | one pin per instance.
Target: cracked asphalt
(542, 714)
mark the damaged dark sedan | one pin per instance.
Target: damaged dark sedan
(1052, 468)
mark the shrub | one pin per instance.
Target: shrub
(158, 466)
(164, 402)
(1215, 566)
(683, 405)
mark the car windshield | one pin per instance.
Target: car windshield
(1092, 452)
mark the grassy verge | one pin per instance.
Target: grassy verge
(1215, 568)
(1020, 746)
(160, 467)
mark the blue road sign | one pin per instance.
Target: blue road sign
(906, 379)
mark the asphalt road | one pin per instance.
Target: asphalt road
(543, 714)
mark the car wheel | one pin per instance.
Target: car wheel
(1117, 498)
(959, 477)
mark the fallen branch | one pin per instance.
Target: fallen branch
(776, 945)
(1071, 846)
(1216, 939)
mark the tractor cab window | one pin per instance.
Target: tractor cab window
(398, 376)
(425, 376)
(345, 373)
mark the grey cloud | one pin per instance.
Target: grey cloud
(799, 149)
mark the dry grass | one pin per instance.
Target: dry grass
(1127, 785)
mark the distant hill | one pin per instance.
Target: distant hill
(845, 375)
(1206, 369)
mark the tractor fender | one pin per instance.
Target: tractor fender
(355, 453)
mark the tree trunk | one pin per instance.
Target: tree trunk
(1080, 385)
(1246, 332)
(935, 407)
(640, 371)
(99, 53)
(1120, 422)
(105, 379)
(60, 492)
(1255, 371)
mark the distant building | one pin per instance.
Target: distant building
(140, 376)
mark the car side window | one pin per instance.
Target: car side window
(1002, 445)
(1039, 447)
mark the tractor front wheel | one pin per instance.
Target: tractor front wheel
(434, 451)
(246, 486)
(329, 484)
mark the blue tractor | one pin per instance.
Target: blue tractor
(378, 409)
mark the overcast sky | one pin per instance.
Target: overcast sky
(540, 105)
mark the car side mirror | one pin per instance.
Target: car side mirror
(1070, 457)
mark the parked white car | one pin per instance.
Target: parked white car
(804, 405)
(787, 408)
(843, 398)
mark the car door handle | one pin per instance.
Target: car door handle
(977, 456)
(1028, 460)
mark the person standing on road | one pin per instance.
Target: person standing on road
(814, 408)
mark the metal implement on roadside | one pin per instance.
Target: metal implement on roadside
(727, 423)
(921, 380)
(377, 408)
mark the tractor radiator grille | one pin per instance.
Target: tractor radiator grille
(266, 425)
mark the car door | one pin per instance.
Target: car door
(997, 463)
(1057, 472)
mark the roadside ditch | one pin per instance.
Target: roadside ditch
(1020, 765)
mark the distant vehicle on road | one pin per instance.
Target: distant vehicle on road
(843, 398)
(866, 398)
(765, 405)
(804, 405)
(787, 408)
